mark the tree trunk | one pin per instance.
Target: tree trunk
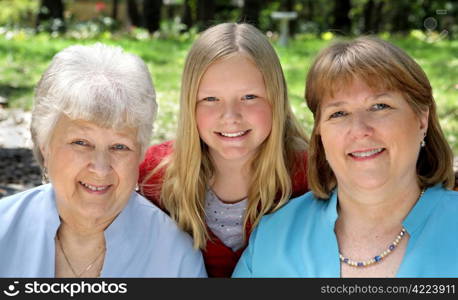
(342, 22)
(378, 18)
(250, 12)
(114, 12)
(205, 13)
(368, 13)
(400, 21)
(49, 10)
(132, 13)
(187, 14)
(152, 14)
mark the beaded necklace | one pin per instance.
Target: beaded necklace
(377, 258)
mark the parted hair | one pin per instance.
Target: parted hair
(189, 168)
(96, 83)
(382, 66)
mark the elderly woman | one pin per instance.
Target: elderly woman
(91, 122)
(379, 170)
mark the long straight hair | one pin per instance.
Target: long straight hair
(189, 168)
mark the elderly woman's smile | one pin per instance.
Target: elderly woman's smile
(91, 167)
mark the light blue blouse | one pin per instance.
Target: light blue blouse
(299, 240)
(141, 242)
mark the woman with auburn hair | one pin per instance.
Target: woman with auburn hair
(239, 152)
(380, 171)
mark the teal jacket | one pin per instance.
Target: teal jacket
(299, 240)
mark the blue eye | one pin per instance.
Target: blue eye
(210, 99)
(80, 143)
(380, 106)
(120, 147)
(249, 97)
(337, 114)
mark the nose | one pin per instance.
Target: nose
(361, 126)
(100, 163)
(231, 111)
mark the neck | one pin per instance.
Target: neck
(78, 236)
(381, 210)
(231, 180)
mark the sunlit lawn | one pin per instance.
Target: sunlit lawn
(23, 61)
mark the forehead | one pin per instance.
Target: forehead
(238, 69)
(66, 126)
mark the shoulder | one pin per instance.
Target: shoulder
(159, 151)
(35, 206)
(299, 176)
(296, 210)
(150, 217)
(151, 183)
(154, 155)
(438, 192)
(16, 202)
(448, 199)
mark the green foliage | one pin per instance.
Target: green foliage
(14, 12)
(24, 57)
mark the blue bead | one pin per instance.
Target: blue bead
(346, 260)
(377, 258)
(392, 247)
(360, 264)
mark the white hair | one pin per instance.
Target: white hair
(97, 83)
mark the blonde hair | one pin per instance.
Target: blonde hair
(97, 83)
(382, 66)
(189, 167)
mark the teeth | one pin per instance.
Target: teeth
(367, 153)
(94, 188)
(235, 134)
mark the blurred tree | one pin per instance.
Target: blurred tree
(250, 11)
(342, 21)
(132, 13)
(372, 14)
(400, 16)
(114, 12)
(205, 13)
(152, 14)
(188, 13)
(52, 13)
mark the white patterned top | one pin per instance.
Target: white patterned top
(225, 219)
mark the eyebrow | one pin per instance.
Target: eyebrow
(372, 98)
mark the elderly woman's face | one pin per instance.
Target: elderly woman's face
(371, 138)
(93, 170)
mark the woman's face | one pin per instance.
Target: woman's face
(233, 114)
(93, 170)
(371, 138)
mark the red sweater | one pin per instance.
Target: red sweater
(220, 260)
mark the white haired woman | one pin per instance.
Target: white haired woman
(91, 122)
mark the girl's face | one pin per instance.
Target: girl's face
(233, 115)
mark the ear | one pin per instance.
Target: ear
(423, 118)
(45, 154)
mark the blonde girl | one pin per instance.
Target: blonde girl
(239, 152)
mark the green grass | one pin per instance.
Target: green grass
(23, 60)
